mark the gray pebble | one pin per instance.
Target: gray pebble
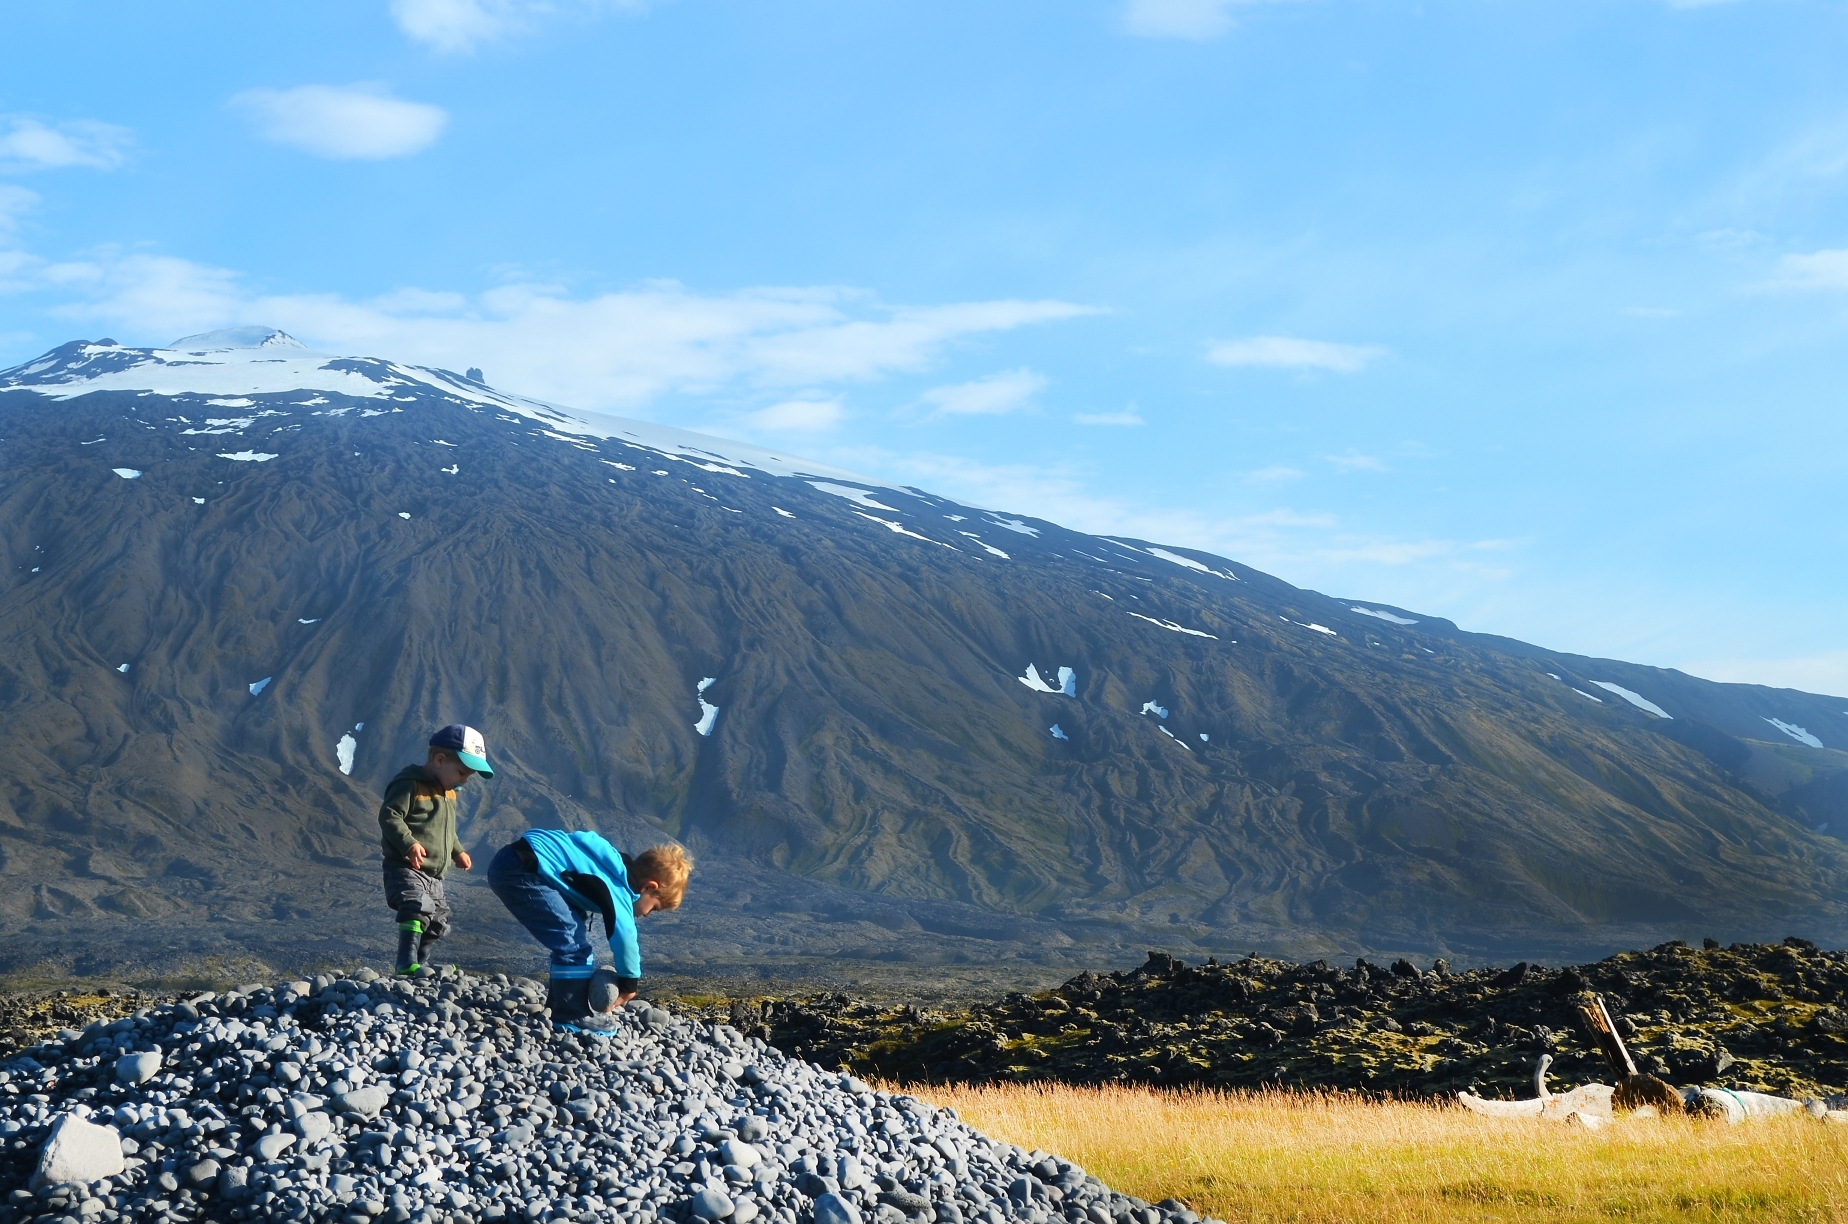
(137, 1068)
(833, 1209)
(710, 1204)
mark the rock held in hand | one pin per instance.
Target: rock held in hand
(603, 990)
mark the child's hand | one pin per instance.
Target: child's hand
(461, 859)
(417, 856)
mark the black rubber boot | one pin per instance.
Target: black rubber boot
(568, 998)
(410, 936)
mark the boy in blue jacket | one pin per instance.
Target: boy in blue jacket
(552, 882)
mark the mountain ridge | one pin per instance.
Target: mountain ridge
(396, 546)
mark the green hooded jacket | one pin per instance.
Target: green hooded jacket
(415, 810)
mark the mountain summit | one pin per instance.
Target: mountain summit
(246, 580)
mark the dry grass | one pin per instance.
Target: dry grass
(1314, 1157)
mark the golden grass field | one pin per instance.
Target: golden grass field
(1276, 1156)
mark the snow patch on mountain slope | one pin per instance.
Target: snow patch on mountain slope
(1172, 627)
(1636, 699)
(859, 497)
(708, 713)
(1385, 616)
(1068, 681)
(1795, 732)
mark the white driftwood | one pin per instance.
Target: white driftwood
(1738, 1106)
(1589, 1105)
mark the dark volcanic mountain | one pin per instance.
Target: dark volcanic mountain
(239, 569)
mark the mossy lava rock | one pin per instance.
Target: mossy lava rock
(1769, 1017)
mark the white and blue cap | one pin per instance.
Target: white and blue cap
(467, 744)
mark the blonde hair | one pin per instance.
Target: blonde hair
(666, 866)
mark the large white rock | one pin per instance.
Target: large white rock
(737, 1152)
(80, 1151)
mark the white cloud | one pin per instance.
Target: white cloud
(361, 121)
(1818, 270)
(1008, 391)
(1191, 19)
(458, 26)
(13, 202)
(1130, 416)
(797, 414)
(1290, 353)
(613, 351)
(1293, 544)
(28, 144)
(1354, 461)
(1195, 19)
(1276, 472)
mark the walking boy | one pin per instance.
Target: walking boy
(553, 881)
(417, 821)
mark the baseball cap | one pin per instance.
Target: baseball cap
(467, 744)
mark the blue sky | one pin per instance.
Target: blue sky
(1531, 315)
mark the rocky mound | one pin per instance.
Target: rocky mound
(454, 1098)
(1768, 1017)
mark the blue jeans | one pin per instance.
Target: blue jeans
(540, 908)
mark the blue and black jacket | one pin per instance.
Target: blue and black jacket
(593, 877)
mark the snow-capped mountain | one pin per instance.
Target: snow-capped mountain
(246, 579)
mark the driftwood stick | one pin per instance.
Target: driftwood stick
(1604, 1032)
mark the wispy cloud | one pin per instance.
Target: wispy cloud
(14, 201)
(454, 27)
(801, 414)
(344, 122)
(1196, 20)
(31, 144)
(1817, 270)
(1129, 416)
(998, 394)
(1292, 353)
(1354, 461)
(1275, 473)
(610, 351)
(1292, 543)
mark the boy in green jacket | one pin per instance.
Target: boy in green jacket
(417, 823)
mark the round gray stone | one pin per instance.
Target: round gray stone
(363, 1102)
(271, 1146)
(831, 1208)
(137, 1068)
(710, 1204)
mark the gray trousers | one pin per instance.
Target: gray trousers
(414, 895)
